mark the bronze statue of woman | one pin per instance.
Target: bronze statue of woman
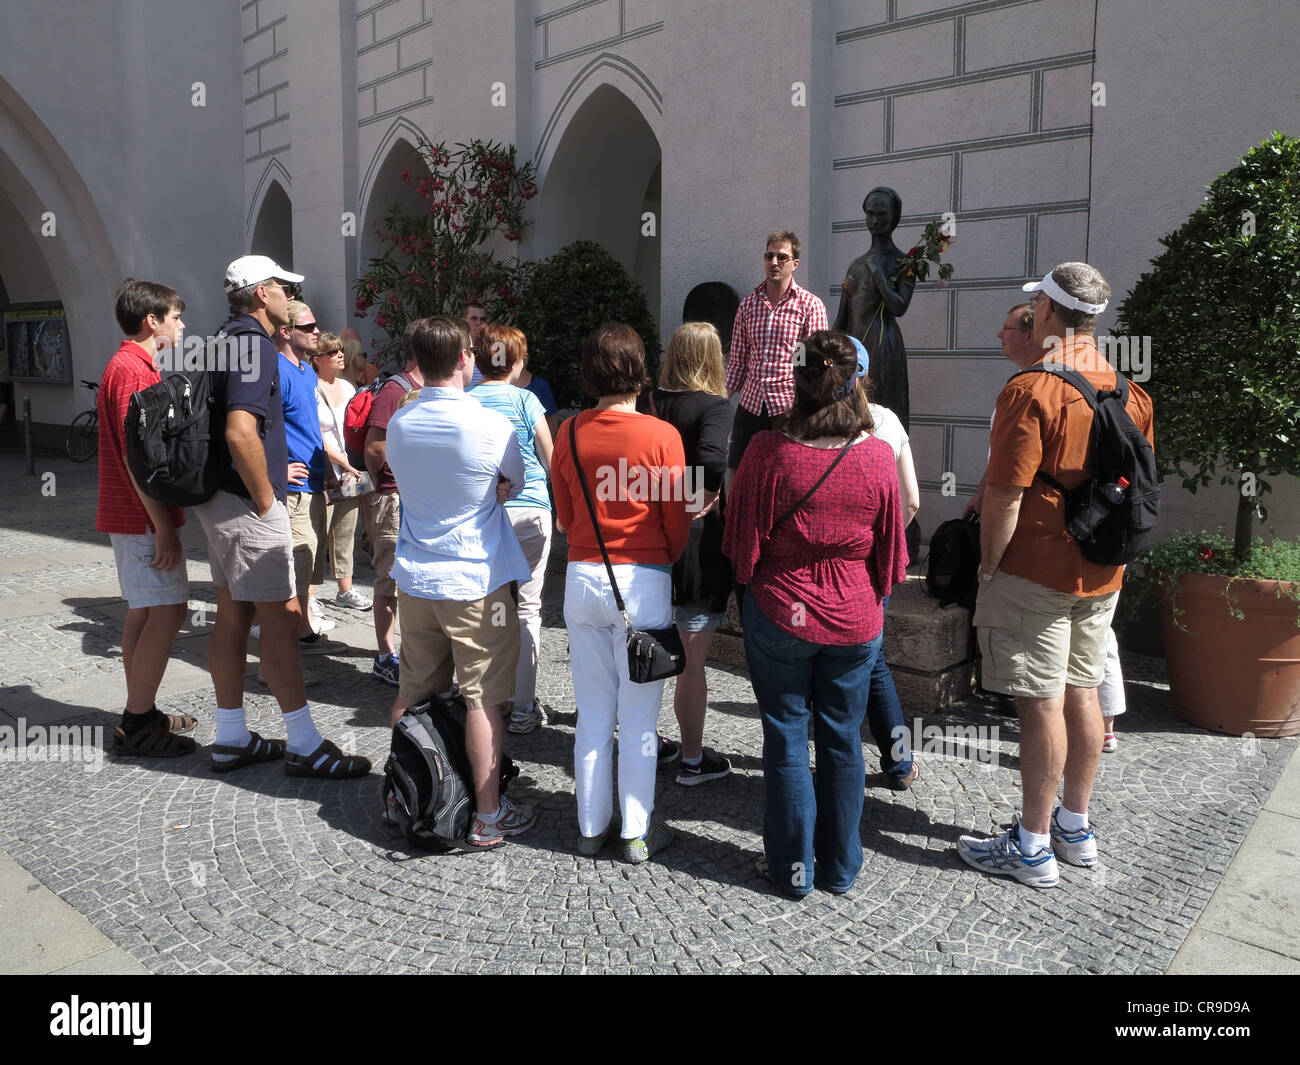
(871, 302)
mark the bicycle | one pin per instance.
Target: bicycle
(83, 433)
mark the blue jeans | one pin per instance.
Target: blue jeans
(885, 717)
(806, 821)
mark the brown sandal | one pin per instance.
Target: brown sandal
(336, 766)
(256, 750)
(152, 741)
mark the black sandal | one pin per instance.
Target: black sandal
(152, 741)
(337, 765)
(256, 749)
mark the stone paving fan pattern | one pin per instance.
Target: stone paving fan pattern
(257, 872)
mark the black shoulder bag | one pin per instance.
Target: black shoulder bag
(652, 654)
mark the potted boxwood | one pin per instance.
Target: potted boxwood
(1221, 306)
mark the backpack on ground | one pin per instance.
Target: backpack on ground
(428, 774)
(952, 569)
(357, 412)
(1112, 523)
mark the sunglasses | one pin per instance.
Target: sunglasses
(309, 327)
(779, 256)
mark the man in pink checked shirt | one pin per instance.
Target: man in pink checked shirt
(770, 323)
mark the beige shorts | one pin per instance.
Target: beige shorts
(307, 527)
(251, 556)
(480, 639)
(1036, 640)
(382, 512)
(142, 585)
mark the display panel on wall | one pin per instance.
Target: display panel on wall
(36, 341)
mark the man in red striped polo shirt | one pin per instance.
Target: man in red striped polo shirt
(146, 547)
(770, 323)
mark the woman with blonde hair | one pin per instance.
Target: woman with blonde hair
(692, 397)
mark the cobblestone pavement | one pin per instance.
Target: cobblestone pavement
(257, 872)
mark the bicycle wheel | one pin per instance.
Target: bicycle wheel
(83, 436)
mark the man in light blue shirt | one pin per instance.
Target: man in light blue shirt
(458, 561)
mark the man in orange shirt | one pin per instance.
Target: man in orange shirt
(1044, 610)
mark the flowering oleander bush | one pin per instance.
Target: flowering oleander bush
(435, 260)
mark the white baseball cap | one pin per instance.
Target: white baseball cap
(253, 269)
(1056, 292)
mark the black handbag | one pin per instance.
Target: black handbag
(652, 654)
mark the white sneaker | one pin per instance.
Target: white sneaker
(1001, 856)
(353, 600)
(525, 719)
(1077, 848)
(320, 623)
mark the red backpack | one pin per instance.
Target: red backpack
(357, 413)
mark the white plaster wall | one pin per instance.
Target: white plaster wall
(145, 183)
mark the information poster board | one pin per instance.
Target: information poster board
(36, 342)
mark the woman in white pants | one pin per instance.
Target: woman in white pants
(633, 465)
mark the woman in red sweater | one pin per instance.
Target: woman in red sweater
(633, 465)
(814, 527)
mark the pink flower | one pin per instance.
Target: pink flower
(1205, 553)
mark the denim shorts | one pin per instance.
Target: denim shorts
(690, 622)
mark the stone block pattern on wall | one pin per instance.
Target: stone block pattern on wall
(396, 41)
(981, 109)
(266, 112)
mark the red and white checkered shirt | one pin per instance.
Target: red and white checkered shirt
(762, 346)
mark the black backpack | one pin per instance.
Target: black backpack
(428, 774)
(170, 449)
(952, 569)
(1119, 532)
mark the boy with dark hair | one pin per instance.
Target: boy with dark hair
(146, 547)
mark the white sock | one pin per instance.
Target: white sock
(1070, 821)
(1032, 842)
(232, 731)
(693, 761)
(489, 819)
(303, 737)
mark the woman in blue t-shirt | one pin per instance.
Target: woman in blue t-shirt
(499, 353)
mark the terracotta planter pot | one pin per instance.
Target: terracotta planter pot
(1234, 676)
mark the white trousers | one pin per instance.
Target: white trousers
(606, 696)
(1110, 693)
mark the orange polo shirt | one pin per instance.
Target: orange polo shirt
(1043, 423)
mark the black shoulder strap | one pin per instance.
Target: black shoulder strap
(808, 494)
(591, 509)
(1084, 387)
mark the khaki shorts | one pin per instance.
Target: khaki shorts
(480, 639)
(307, 527)
(382, 512)
(1036, 640)
(251, 556)
(142, 585)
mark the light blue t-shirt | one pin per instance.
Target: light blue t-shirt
(524, 411)
(456, 541)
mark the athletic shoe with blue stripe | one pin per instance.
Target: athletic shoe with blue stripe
(1001, 856)
(1077, 848)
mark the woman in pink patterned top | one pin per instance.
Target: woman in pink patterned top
(817, 566)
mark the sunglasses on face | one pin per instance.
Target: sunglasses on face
(779, 256)
(308, 327)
